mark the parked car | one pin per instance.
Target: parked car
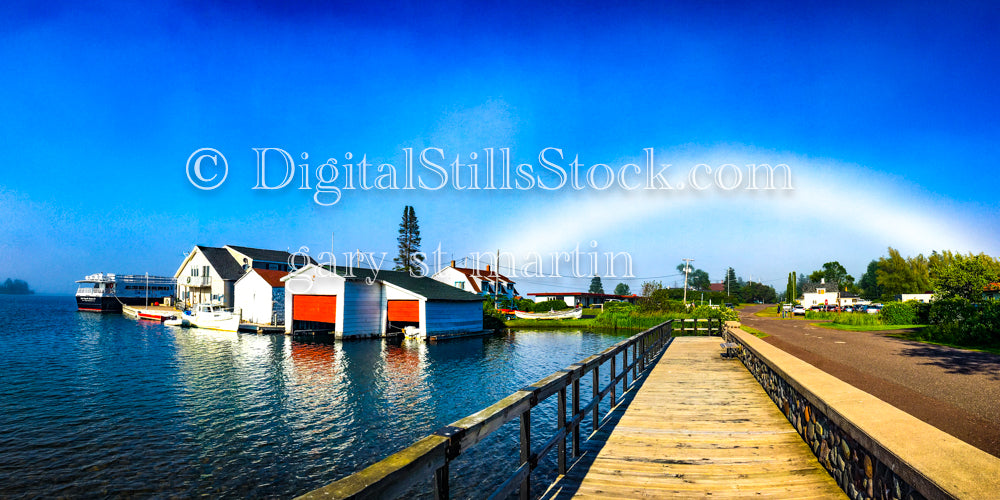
(817, 308)
(860, 308)
(848, 309)
(874, 309)
(832, 308)
(799, 311)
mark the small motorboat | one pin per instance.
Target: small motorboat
(412, 332)
(212, 317)
(570, 314)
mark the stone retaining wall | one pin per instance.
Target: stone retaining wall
(864, 454)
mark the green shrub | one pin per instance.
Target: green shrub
(899, 313)
(961, 322)
(526, 305)
(550, 305)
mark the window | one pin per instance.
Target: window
(460, 285)
(204, 270)
(194, 271)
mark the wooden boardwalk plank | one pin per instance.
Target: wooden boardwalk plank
(699, 426)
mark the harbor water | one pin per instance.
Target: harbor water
(99, 406)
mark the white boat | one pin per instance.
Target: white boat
(212, 317)
(570, 314)
(412, 332)
(177, 321)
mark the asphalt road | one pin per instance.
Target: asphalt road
(954, 390)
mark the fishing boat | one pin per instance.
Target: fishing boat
(212, 317)
(569, 314)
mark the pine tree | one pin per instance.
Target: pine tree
(409, 243)
(596, 286)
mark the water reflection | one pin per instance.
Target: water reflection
(99, 405)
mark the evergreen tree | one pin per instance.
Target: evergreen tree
(596, 286)
(622, 289)
(731, 285)
(870, 289)
(409, 243)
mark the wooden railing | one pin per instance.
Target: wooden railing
(395, 475)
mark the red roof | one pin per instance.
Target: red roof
(475, 275)
(992, 287)
(717, 287)
(272, 277)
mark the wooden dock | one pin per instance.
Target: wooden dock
(699, 426)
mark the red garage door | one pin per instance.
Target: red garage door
(404, 311)
(321, 308)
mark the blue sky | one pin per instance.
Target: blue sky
(886, 114)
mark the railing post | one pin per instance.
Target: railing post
(576, 411)
(597, 403)
(635, 361)
(625, 369)
(441, 483)
(561, 421)
(614, 383)
(526, 453)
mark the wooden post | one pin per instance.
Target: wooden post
(526, 453)
(596, 415)
(635, 362)
(624, 369)
(441, 483)
(614, 383)
(561, 421)
(576, 411)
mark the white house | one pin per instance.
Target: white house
(821, 293)
(363, 303)
(209, 274)
(477, 281)
(259, 295)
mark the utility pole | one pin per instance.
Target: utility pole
(687, 269)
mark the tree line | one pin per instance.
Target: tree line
(947, 274)
(15, 287)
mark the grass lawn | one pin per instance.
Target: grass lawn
(866, 328)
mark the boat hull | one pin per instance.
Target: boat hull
(110, 304)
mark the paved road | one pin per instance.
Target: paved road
(954, 390)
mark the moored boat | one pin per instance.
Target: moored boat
(213, 317)
(108, 292)
(569, 314)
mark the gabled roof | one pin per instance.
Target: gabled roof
(271, 255)
(811, 287)
(271, 276)
(424, 286)
(223, 262)
(479, 274)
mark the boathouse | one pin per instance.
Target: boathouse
(356, 302)
(259, 295)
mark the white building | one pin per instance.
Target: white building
(821, 293)
(364, 303)
(209, 274)
(260, 297)
(919, 297)
(477, 281)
